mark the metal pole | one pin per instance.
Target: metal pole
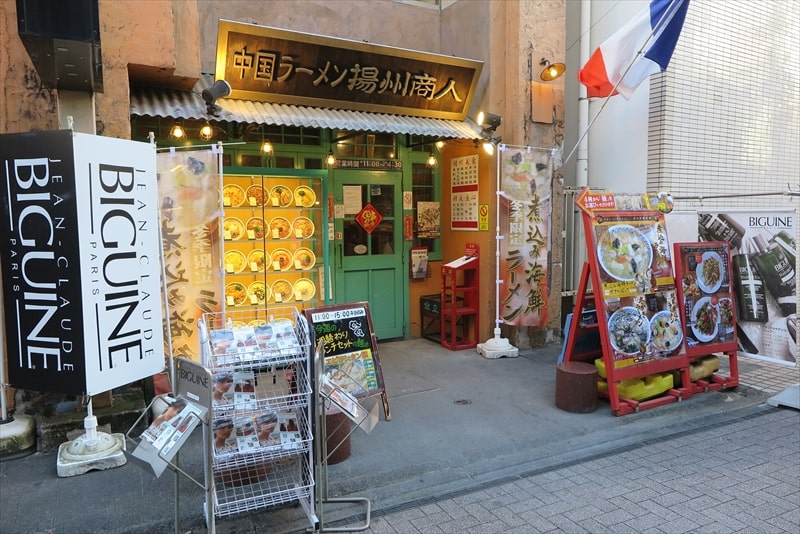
(3, 407)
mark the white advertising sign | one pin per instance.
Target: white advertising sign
(80, 261)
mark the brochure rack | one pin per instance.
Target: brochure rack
(363, 412)
(459, 303)
(262, 361)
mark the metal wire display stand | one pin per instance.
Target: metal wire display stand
(203, 418)
(362, 419)
(251, 475)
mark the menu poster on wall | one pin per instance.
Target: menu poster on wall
(524, 220)
(464, 193)
(707, 300)
(188, 188)
(764, 262)
(634, 266)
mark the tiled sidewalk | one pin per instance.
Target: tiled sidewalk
(763, 375)
(740, 476)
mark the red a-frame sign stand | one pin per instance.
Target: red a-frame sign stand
(603, 210)
(620, 405)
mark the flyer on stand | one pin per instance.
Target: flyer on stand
(162, 440)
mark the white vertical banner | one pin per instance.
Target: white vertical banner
(525, 214)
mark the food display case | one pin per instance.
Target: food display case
(274, 242)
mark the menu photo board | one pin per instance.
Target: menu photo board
(350, 349)
(633, 274)
(706, 296)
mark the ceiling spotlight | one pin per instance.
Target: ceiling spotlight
(177, 131)
(439, 144)
(431, 162)
(206, 132)
(330, 159)
(489, 121)
(551, 71)
(266, 147)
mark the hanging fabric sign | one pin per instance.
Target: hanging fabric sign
(525, 213)
(189, 191)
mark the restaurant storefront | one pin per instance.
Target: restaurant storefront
(373, 152)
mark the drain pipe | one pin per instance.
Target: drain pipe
(582, 161)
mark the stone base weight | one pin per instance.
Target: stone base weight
(104, 451)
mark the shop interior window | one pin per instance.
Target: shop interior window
(425, 189)
(365, 145)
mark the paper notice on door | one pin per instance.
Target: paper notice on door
(351, 198)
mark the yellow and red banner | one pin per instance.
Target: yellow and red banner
(189, 185)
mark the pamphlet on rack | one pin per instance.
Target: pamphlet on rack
(162, 440)
(365, 419)
(459, 262)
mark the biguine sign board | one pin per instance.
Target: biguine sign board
(80, 253)
(349, 347)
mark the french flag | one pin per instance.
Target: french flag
(639, 49)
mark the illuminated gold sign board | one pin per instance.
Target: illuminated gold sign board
(272, 65)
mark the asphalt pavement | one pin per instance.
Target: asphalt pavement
(477, 445)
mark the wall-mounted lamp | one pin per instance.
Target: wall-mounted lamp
(330, 159)
(487, 144)
(489, 121)
(552, 71)
(219, 89)
(266, 147)
(206, 132)
(177, 131)
(431, 161)
(439, 144)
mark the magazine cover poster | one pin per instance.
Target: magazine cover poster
(764, 260)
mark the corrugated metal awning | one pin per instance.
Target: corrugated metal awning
(190, 105)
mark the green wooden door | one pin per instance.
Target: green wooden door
(369, 264)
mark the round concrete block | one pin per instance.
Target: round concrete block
(576, 387)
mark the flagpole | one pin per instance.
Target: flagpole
(666, 18)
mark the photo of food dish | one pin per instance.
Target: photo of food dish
(258, 258)
(709, 272)
(302, 228)
(304, 258)
(629, 330)
(624, 252)
(280, 228)
(281, 196)
(281, 259)
(705, 319)
(256, 225)
(304, 289)
(350, 376)
(260, 291)
(232, 228)
(232, 195)
(255, 195)
(236, 292)
(690, 289)
(665, 331)
(235, 261)
(304, 196)
(282, 291)
(726, 312)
